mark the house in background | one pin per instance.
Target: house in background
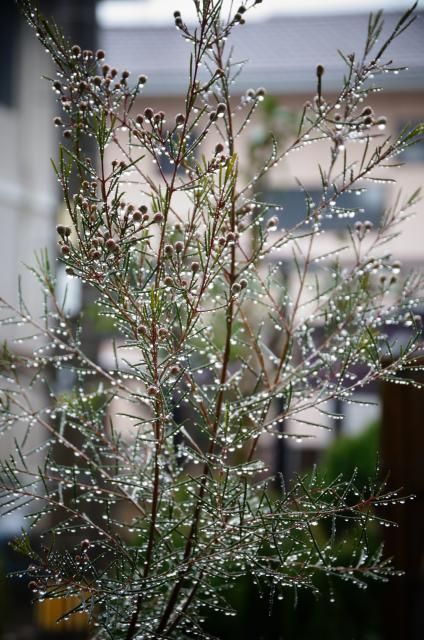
(281, 55)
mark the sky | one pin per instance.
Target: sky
(150, 12)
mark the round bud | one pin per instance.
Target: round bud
(168, 281)
(366, 111)
(57, 85)
(368, 225)
(125, 74)
(241, 9)
(142, 79)
(179, 119)
(85, 544)
(212, 116)
(260, 93)
(142, 329)
(230, 237)
(178, 22)
(100, 54)
(110, 244)
(175, 370)
(158, 217)
(143, 208)
(320, 70)
(219, 148)
(169, 249)
(221, 109)
(236, 288)
(67, 231)
(61, 230)
(243, 283)
(67, 133)
(65, 250)
(272, 222)
(148, 113)
(368, 121)
(70, 271)
(57, 122)
(177, 14)
(76, 50)
(195, 266)
(179, 246)
(137, 216)
(152, 391)
(162, 333)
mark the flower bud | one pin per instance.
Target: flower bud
(175, 370)
(76, 50)
(100, 54)
(219, 148)
(179, 119)
(152, 391)
(168, 281)
(148, 113)
(243, 283)
(230, 237)
(236, 288)
(220, 109)
(110, 244)
(158, 217)
(169, 249)
(320, 71)
(195, 266)
(57, 121)
(136, 217)
(142, 79)
(179, 246)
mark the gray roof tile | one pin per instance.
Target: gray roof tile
(282, 54)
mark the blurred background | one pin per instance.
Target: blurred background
(282, 43)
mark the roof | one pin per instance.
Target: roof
(281, 54)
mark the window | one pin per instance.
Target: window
(369, 205)
(8, 37)
(414, 153)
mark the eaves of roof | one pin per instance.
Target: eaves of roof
(281, 54)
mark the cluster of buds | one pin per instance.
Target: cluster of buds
(362, 228)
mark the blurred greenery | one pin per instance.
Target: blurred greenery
(340, 609)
